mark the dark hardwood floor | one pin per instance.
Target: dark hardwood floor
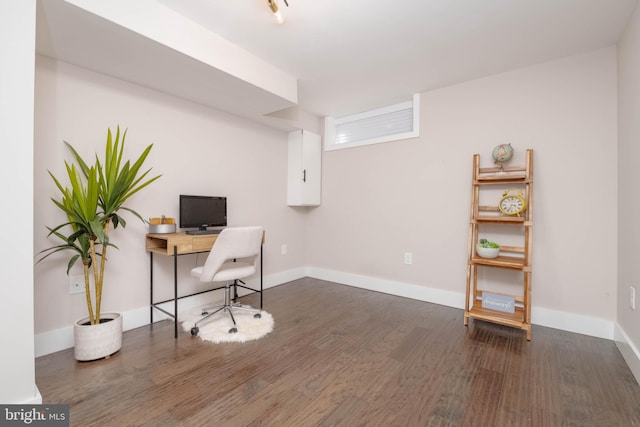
(345, 356)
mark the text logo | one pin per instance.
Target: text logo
(34, 415)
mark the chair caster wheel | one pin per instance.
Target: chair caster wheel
(194, 331)
(257, 316)
(233, 330)
(204, 313)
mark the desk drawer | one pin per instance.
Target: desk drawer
(203, 243)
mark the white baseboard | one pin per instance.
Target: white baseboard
(571, 322)
(408, 290)
(36, 399)
(62, 339)
(629, 351)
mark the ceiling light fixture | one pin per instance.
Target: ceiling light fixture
(276, 12)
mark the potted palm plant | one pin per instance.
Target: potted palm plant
(92, 205)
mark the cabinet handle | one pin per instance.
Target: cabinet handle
(304, 175)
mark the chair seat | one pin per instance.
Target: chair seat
(229, 271)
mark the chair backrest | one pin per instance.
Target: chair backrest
(232, 243)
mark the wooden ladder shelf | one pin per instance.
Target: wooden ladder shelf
(510, 257)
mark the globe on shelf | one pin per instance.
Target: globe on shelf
(502, 154)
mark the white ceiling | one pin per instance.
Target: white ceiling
(347, 56)
(351, 55)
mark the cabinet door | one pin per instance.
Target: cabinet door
(304, 172)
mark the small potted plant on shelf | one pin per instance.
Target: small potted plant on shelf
(91, 206)
(487, 249)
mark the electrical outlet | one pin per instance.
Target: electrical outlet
(76, 284)
(632, 297)
(408, 258)
(283, 249)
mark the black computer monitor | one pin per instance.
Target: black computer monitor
(202, 211)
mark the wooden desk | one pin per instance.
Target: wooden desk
(176, 244)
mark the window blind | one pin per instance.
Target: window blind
(392, 123)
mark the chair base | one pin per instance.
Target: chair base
(228, 307)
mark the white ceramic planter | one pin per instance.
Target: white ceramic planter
(92, 342)
(488, 252)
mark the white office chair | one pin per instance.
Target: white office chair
(233, 256)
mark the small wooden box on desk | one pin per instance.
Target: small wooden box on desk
(184, 243)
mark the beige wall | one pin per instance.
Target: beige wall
(628, 184)
(17, 38)
(198, 150)
(413, 196)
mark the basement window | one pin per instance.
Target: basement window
(391, 123)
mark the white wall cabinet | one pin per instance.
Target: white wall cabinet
(304, 175)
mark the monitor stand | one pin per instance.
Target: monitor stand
(202, 232)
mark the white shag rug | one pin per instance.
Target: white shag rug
(216, 328)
